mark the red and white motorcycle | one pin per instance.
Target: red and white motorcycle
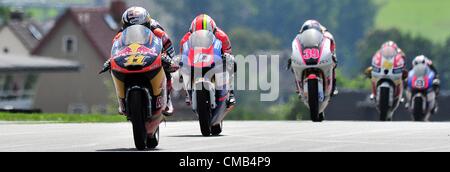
(312, 64)
(387, 81)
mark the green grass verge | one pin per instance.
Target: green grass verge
(62, 118)
(428, 18)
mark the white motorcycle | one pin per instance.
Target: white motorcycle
(312, 64)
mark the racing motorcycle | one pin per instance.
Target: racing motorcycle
(387, 81)
(312, 64)
(206, 80)
(420, 95)
(140, 82)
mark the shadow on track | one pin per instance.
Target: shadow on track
(127, 150)
(192, 135)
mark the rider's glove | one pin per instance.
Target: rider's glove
(436, 82)
(230, 62)
(168, 64)
(289, 64)
(368, 72)
(404, 74)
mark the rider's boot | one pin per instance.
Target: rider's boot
(436, 108)
(334, 90)
(187, 100)
(122, 107)
(372, 97)
(168, 111)
(231, 101)
(436, 87)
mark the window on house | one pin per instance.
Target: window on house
(35, 32)
(2, 83)
(8, 80)
(30, 84)
(70, 45)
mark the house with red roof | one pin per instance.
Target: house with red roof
(83, 35)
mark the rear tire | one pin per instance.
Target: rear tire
(313, 100)
(136, 112)
(384, 104)
(204, 111)
(418, 111)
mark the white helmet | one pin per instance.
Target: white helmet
(420, 60)
(312, 24)
(136, 16)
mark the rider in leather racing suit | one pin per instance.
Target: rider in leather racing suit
(205, 22)
(140, 16)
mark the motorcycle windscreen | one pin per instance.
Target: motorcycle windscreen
(201, 52)
(388, 52)
(310, 41)
(420, 70)
(311, 38)
(419, 78)
(201, 39)
(136, 34)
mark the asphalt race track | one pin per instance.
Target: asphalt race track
(253, 136)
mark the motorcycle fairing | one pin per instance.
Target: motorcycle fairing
(136, 52)
(310, 46)
(420, 81)
(200, 54)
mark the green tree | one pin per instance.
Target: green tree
(246, 41)
(4, 15)
(360, 82)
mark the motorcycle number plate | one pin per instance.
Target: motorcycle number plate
(419, 83)
(202, 58)
(387, 65)
(311, 53)
(134, 60)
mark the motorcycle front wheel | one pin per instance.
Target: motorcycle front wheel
(204, 111)
(384, 104)
(313, 100)
(136, 112)
(418, 111)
